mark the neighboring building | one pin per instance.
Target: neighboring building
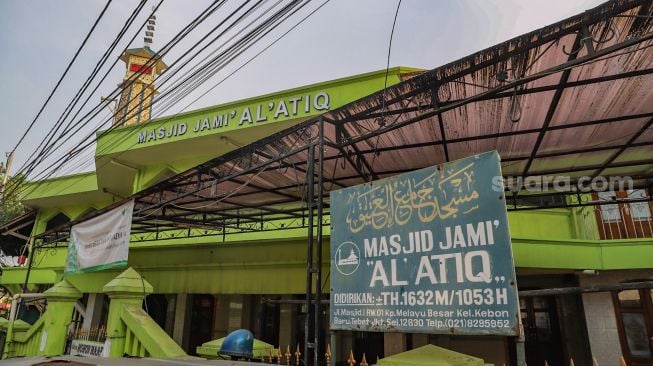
(207, 286)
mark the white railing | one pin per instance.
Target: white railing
(615, 221)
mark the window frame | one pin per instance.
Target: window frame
(646, 309)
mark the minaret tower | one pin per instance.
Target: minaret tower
(138, 90)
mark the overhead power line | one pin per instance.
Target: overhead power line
(385, 83)
(233, 52)
(95, 111)
(70, 64)
(183, 82)
(28, 167)
(45, 143)
(256, 55)
(206, 67)
(85, 164)
(168, 73)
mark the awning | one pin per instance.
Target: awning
(22, 223)
(574, 98)
(15, 233)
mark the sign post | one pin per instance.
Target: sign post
(425, 252)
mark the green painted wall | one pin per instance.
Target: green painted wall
(554, 224)
(274, 261)
(125, 166)
(135, 157)
(340, 91)
(278, 266)
(71, 193)
(71, 184)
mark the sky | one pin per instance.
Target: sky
(345, 37)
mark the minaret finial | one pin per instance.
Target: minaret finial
(149, 30)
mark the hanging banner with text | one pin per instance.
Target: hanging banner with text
(101, 242)
(425, 252)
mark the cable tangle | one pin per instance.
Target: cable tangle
(199, 76)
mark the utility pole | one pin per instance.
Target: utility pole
(5, 178)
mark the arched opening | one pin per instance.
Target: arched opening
(88, 213)
(56, 221)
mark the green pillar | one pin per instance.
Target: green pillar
(61, 301)
(127, 289)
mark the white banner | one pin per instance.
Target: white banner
(101, 242)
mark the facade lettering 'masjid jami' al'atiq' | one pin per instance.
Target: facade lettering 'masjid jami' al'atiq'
(270, 112)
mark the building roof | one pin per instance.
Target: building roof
(145, 52)
(573, 98)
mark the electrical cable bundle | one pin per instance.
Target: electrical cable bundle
(181, 86)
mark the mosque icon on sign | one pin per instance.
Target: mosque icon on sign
(351, 260)
(347, 265)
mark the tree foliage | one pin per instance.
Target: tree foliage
(10, 206)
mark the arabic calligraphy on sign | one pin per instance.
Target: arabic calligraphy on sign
(434, 195)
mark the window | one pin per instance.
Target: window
(140, 68)
(640, 211)
(629, 299)
(633, 311)
(636, 335)
(609, 213)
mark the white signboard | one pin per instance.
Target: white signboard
(86, 348)
(101, 242)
